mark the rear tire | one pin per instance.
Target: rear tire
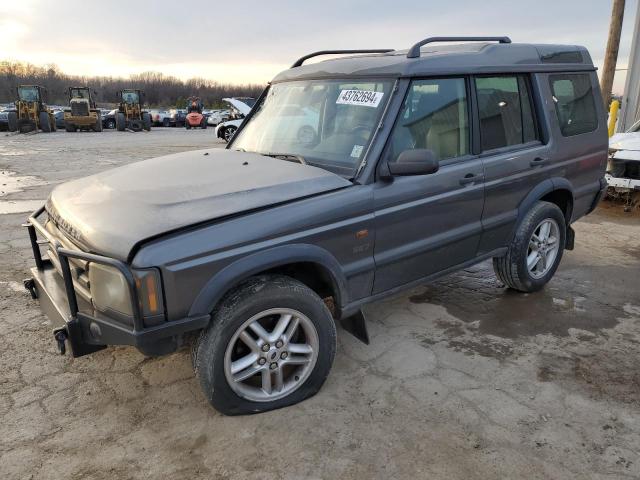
(45, 123)
(187, 125)
(302, 370)
(166, 122)
(533, 256)
(98, 125)
(111, 124)
(12, 121)
(121, 123)
(203, 123)
(69, 127)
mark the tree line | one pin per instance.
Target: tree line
(160, 90)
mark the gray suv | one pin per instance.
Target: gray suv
(351, 179)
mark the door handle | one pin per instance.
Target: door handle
(471, 178)
(538, 162)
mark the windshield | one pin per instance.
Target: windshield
(80, 93)
(327, 122)
(28, 94)
(130, 97)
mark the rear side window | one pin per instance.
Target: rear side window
(505, 111)
(575, 106)
(434, 116)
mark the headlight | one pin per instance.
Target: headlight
(109, 290)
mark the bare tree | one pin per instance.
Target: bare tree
(161, 90)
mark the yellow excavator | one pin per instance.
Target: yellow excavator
(31, 112)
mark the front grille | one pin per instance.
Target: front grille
(80, 109)
(79, 268)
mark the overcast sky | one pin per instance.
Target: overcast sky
(250, 41)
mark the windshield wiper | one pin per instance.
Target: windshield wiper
(289, 157)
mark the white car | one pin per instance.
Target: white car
(218, 116)
(160, 118)
(240, 108)
(623, 170)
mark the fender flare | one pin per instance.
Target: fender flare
(218, 285)
(539, 191)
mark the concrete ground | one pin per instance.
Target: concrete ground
(463, 378)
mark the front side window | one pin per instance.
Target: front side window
(329, 123)
(505, 111)
(434, 117)
(575, 106)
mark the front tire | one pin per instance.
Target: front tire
(12, 121)
(45, 123)
(146, 122)
(228, 133)
(121, 122)
(535, 251)
(270, 344)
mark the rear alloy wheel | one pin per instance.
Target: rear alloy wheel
(535, 251)
(228, 133)
(111, 124)
(271, 344)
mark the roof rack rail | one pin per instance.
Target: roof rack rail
(301, 60)
(414, 52)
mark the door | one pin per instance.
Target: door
(428, 223)
(515, 160)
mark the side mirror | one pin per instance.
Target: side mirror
(415, 162)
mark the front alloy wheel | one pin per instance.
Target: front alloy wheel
(271, 355)
(270, 344)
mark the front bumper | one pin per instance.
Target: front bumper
(75, 320)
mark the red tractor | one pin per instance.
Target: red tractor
(195, 118)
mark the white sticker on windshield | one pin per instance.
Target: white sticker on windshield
(365, 98)
(357, 151)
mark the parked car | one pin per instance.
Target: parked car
(177, 117)
(623, 170)
(59, 119)
(239, 108)
(218, 116)
(424, 162)
(4, 120)
(160, 118)
(109, 118)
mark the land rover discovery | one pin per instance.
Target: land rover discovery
(410, 165)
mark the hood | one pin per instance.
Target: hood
(109, 213)
(242, 107)
(625, 141)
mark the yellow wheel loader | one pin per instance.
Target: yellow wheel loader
(31, 112)
(130, 114)
(82, 113)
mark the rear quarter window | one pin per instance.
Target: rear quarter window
(574, 103)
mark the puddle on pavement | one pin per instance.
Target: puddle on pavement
(10, 183)
(568, 302)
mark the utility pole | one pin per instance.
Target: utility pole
(611, 55)
(630, 106)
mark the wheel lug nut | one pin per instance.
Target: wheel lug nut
(273, 366)
(284, 355)
(265, 347)
(279, 344)
(262, 361)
